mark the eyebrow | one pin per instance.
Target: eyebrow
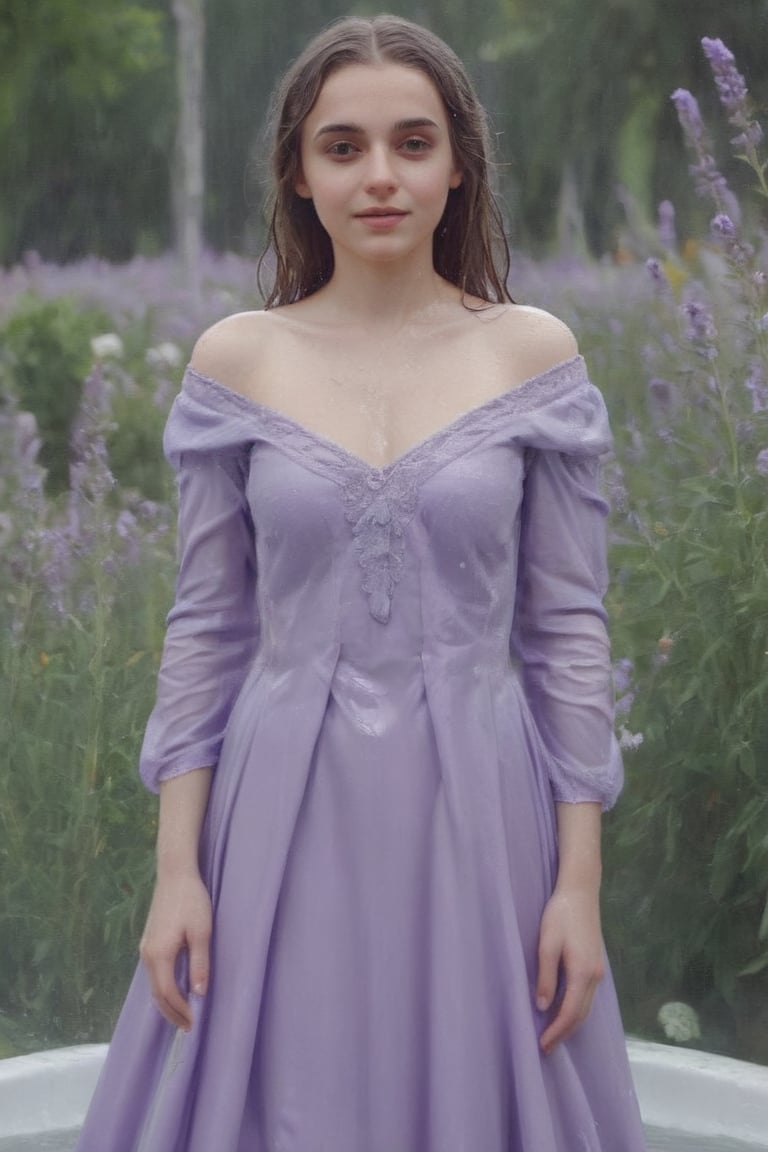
(356, 130)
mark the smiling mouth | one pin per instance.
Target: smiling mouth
(381, 212)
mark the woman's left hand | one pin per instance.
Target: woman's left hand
(570, 935)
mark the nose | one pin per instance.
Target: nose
(380, 175)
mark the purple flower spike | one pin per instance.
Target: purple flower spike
(761, 463)
(689, 115)
(723, 228)
(731, 87)
(622, 675)
(660, 389)
(757, 385)
(657, 274)
(722, 225)
(700, 328)
(732, 90)
(666, 225)
(708, 180)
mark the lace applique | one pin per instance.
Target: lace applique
(378, 506)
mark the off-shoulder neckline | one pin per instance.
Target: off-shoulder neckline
(521, 394)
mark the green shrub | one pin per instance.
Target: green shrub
(46, 351)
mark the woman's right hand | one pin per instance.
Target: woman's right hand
(179, 917)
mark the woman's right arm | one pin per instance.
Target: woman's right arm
(180, 912)
(211, 638)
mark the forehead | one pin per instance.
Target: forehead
(379, 91)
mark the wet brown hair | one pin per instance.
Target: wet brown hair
(469, 247)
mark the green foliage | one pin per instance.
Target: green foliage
(81, 642)
(574, 75)
(86, 124)
(46, 354)
(76, 825)
(577, 85)
(691, 610)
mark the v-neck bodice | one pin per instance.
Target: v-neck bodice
(517, 400)
(559, 409)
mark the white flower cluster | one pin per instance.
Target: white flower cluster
(108, 346)
(166, 355)
(629, 740)
(679, 1021)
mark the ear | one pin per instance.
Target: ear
(457, 177)
(301, 188)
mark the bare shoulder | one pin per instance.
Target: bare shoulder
(231, 349)
(532, 339)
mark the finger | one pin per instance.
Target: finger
(573, 1010)
(199, 963)
(546, 984)
(171, 1015)
(167, 995)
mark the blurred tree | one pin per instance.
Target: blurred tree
(578, 93)
(586, 88)
(188, 183)
(86, 122)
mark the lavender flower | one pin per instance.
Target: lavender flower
(732, 91)
(722, 225)
(661, 389)
(624, 704)
(622, 675)
(724, 229)
(761, 463)
(56, 558)
(708, 180)
(666, 225)
(657, 274)
(689, 115)
(757, 386)
(90, 475)
(731, 87)
(616, 489)
(700, 328)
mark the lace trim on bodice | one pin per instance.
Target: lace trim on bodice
(380, 501)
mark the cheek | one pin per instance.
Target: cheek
(431, 185)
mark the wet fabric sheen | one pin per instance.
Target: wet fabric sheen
(395, 672)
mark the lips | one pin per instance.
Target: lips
(382, 212)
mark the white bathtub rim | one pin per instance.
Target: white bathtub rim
(48, 1091)
(701, 1094)
(679, 1089)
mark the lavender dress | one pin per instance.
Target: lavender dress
(396, 672)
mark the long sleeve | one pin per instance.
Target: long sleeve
(560, 633)
(212, 627)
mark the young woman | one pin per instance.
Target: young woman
(383, 731)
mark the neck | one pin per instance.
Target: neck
(384, 297)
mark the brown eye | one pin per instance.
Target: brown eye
(341, 144)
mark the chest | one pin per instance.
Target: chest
(444, 517)
(378, 402)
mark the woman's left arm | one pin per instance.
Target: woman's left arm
(570, 932)
(560, 637)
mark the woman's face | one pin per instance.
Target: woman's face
(377, 140)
